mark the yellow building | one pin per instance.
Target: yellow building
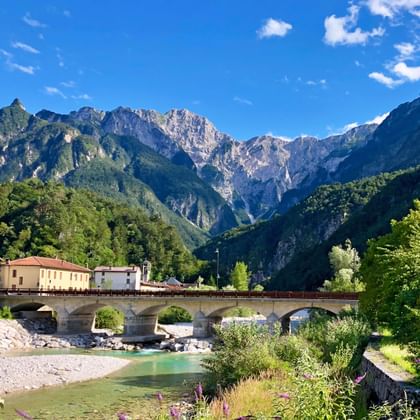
(43, 274)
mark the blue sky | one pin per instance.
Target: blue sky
(286, 67)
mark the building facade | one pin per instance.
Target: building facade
(118, 278)
(43, 274)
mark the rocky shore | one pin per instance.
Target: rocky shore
(17, 335)
(33, 372)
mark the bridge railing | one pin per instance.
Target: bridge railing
(184, 293)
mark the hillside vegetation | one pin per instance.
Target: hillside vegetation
(87, 229)
(293, 248)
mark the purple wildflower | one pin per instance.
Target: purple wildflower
(174, 413)
(417, 361)
(199, 391)
(308, 376)
(122, 416)
(159, 396)
(23, 414)
(284, 395)
(359, 378)
(226, 409)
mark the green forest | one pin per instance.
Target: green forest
(48, 219)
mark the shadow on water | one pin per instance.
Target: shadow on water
(157, 382)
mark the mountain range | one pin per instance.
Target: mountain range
(198, 179)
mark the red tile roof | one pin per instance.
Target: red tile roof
(49, 263)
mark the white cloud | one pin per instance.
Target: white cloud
(378, 119)
(321, 82)
(69, 84)
(410, 73)
(53, 91)
(350, 126)
(242, 101)
(25, 47)
(357, 63)
(15, 66)
(59, 57)
(23, 69)
(273, 27)
(389, 8)
(385, 80)
(33, 22)
(83, 96)
(406, 49)
(342, 30)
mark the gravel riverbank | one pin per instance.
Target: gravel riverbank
(33, 372)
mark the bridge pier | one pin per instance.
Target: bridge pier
(285, 325)
(203, 326)
(140, 325)
(75, 323)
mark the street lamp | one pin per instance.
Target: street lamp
(217, 268)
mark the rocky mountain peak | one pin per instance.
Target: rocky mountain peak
(17, 103)
(88, 114)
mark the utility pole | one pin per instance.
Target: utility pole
(217, 268)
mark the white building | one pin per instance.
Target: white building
(117, 278)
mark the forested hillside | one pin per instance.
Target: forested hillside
(87, 229)
(293, 248)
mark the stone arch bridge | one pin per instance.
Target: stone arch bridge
(75, 310)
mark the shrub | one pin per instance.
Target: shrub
(110, 318)
(6, 313)
(241, 351)
(349, 330)
(174, 314)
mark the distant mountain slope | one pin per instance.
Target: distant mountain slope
(394, 145)
(293, 248)
(253, 176)
(53, 149)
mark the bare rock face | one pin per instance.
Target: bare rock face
(254, 173)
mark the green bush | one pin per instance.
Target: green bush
(290, 348)
(110, 318)
(6, 313)
(241, 351)
(174, 314)
(349, 330)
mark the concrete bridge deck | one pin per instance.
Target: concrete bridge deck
(75, 310)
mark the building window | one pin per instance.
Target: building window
(61, 275)
(128, 274)
(71, 276)
(49, 274)
(55, 275)
(42, 274)
(75, 277)
(14, 274)
(128, 281)
(103, 273)
(20, 281)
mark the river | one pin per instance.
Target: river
(130, 390)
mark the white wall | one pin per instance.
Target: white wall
(118, 279)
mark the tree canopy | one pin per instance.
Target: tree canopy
(345, 263)
(240, 276)
(87, 229)
(391, 271)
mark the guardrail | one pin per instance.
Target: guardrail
(182, 293)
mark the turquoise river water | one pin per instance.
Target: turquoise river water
(131, 390)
